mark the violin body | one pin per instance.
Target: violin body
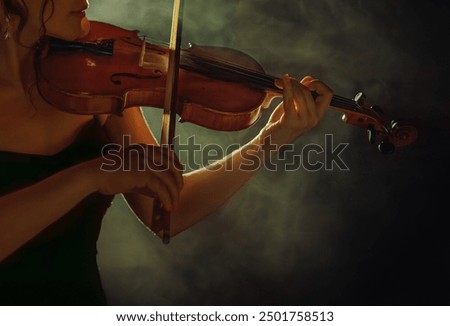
(116, 69)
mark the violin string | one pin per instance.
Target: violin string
(255, 78)
(251, 75)
(267, 81)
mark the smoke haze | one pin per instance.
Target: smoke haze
(363, 236)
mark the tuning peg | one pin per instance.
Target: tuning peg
(386, 147)
(371, 135)
(360, 99)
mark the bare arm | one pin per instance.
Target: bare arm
(207, 189)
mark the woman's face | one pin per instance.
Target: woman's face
(64, 19)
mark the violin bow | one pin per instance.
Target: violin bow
(161, 217)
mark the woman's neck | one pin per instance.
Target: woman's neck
(17, 67)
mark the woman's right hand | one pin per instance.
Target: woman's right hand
(149, 170)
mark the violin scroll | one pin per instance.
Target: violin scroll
(385, 133)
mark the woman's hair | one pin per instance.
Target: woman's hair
(20, 9)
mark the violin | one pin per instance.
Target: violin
(219, 88)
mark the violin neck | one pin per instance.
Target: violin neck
(338, 103)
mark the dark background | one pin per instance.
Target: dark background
(373, 235)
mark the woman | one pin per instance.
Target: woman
(53, 193)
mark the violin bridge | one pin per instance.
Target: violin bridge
(148, 60)
(142, 56)
(151, 58)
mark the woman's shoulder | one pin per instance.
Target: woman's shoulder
(29, 128)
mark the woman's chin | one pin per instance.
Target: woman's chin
(85, 27)
(78, 31)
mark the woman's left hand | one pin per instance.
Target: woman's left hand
(299, 111)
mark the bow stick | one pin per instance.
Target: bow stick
(161, 217)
